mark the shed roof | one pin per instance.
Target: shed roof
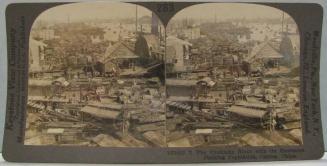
(247, 112)
(264, 51)
(101, 113)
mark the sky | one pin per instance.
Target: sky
(92, 10)
(112, 10)
(225, 11)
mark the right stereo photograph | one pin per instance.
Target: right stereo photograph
(232, 77)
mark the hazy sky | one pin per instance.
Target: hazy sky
(111, 10)
(228, 10)
(92, 10)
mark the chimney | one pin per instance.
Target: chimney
(154, 24)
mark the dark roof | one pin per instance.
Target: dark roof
(264, 51)
(118, 51)
(151, 40)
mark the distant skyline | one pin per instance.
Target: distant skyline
(225, 11)
(92, 10)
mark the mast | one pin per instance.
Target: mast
(215, 17)
(68, 19)
(136, 21)
(283, 17)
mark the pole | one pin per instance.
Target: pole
(136, 21)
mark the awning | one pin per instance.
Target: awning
(38, 82)
(247, 112)
(107, 105)
(252, 105)
(190, 99)
(48, 99)
(203, 131)
(179, 82)
(100, 113)
(126, 57)
(55, 131)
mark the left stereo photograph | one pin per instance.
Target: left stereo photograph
(96, 77)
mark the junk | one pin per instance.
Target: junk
(131, 141)
(65, 136)
(149, 117)
(180, 82)
(100, 113)
(147, 97)
(206, 125)
(105, 140)
(278, 138)
(217, 137)
(55, 131)
(292, 98)
(111, 105)
(178, 105)
(257, 105)
(48, 99)
(120, 82)
(253, 139)
(208, 81)
(246, 90)
(151, 127)
(61, 81)
(40, 83)
(100, 90)
(203, 131)
(247, 112)
(155, 137)
(36, 106)
(189, 141)
(296, 134)
(45, 140)
(38, 140)
(292, 125)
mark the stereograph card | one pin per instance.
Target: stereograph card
(163, 82)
